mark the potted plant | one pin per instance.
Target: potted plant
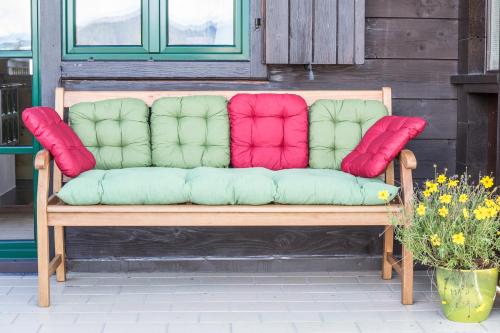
(455, 228)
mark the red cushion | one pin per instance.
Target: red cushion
(58, 138)
(381, 144)
(268, 130)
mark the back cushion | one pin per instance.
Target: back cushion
(189, 132)
(115, 131)
(336, 128)
(268, 130)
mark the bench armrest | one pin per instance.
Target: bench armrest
(42, 159)
(407, 163)
(407, 159)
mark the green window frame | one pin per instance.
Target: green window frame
(155, 36)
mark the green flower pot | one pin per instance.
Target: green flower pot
(467, 296)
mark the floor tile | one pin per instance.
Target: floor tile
(262, 328)
(199, 328)
(135, 328)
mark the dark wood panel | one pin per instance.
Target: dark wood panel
(325, 32)
(433, 152)
(411, 38)
(301, 42)
(441, 116)
(428, 79)
(412, 8)
(276, 27)
(220, 242)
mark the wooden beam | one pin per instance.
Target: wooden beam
(54, 264)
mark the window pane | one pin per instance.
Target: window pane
(108, 22)
(15, 25)
(494, 37)
(212, 23)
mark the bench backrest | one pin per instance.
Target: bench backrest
(66, 99)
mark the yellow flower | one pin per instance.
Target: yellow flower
(383, 195)
(498, 233)
(444, 302)
(445, 198)
(463, 198)
(452, 183)
(441, 179)
(459, 238)
(491, 212)
(487, 181)
(480, 213)
(481, 307)
(498, 200)
(466, 213)
(431, 187)
(443, 211)
(435, 240)
(427, 193)
(421, 210)
(490, 203)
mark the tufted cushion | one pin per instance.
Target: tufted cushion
(222, 186)
(336, 127)
(115, 131)
(188, 132)
(70, 155)
(380, 145)
(268, 130)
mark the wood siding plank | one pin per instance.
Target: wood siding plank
(276, 30)
(325, 32)
(345, 29)
(359, 32)
(447, 9)
(411, 38)
(300, 39)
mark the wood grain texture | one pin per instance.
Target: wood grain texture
(301, 26)
(325, 32)
(345, 32)
(276, 28)
(447, 9)
(411, 39)
(428, 79)
(359, 32)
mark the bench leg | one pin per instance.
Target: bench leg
(407, 278)
(43, 263)
(388, 250)
(60, 249)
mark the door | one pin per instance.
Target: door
(19, 89)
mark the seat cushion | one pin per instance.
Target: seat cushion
(381, 144)
(189, 132)
(56, 136)
(115, 131)
(268, 130)
(222, 186)
(336, 128)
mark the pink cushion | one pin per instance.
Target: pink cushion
(58, 138)
(381, 144)
(268, 130)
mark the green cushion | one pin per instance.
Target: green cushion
(188, 132)
(336, 128)
(222, 186)
(115, 131)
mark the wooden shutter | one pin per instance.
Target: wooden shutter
(314, 31)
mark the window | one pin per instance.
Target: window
(15, 31)
(493, 35)
(156, 30)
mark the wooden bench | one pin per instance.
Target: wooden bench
(51, 212)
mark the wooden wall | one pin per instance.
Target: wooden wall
(411, 45)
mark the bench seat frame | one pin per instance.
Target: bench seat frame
(52, 212)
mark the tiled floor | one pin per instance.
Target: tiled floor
(223, 303)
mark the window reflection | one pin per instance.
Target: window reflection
(195, 22)
(15, 25)
(494, 35)
(108, 22)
